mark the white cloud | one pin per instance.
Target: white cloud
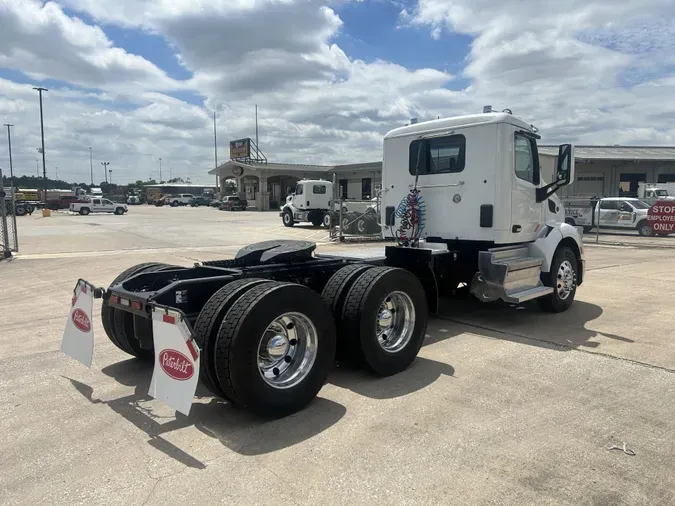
(43, 42)
(589, 71)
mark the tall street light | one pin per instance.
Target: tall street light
(9, 141)
(42, 132)
(105, 170)
(110, 171)
(160, 170)
(91, 166)
(37, 168)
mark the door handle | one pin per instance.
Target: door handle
(516, 228)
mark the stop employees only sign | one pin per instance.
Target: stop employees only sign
(662, 217)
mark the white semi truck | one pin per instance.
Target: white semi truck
(463, 201)
(310, 203)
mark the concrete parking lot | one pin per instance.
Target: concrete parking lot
(503, 406)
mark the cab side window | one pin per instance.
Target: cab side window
(97, 201)
(609, 205)
(298, 190)
(526, 159)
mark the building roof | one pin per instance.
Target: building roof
(657, 153)
(296, 167)
(457, 122)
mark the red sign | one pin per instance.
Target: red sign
(81, 320)
(176, 365)
(662, 217)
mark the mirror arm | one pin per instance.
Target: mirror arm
(546, 191)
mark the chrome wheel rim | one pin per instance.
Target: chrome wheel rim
(287, 350)
(646, 230)
(565, 281)
(287, 218)
(326, 220)
(395, 322)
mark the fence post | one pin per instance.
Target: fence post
(6, 249)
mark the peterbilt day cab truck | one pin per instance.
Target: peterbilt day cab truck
(463, 201)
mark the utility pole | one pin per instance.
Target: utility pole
(110, 171)
(215, 150)
(57, 173)
(160, 170)
(170, 177)
(105, 170)
(91, 166)
(9, 141)
(37, 168)
(42, 133)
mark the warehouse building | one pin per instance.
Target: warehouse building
(612, 170)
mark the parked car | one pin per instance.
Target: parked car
(233, 203)
(98, 205)
(200, 200)
(181, 199)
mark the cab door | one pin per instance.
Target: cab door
(107, 206)
(96, 205)
(526, 213)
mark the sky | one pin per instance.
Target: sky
(137, 80)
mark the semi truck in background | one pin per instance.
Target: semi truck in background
(652, 192)
(463, 203)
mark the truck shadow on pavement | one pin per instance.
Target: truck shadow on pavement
(240, 431)
(527, 324)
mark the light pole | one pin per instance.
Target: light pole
(215, 150)
(56, 169)
(110, 171)
(91, 166)
(105, 170)
(160, 170)
(37, 168)
(42, 133)
(9, 141)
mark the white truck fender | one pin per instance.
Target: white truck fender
(549, 239)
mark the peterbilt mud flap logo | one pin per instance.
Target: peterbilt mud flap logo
(81, 320)
(176, 365)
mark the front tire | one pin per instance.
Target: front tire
(563, 279)
(174, 203)
(288, 218)
(384, 319)
(119, 211)
(20, 210)
(275, 348)
(84, 211)
(645, 229)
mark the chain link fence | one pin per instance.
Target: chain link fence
(9, 241)
(356, 220)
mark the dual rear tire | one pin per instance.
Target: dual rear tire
(266, 346)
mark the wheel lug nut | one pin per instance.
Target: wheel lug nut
(293, 342)
(290, 326)
(287, 359)
(275, 371)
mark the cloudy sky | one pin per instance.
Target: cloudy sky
(139, 79)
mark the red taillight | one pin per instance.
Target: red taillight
(169, 319)
(114, 299)
(136, 305)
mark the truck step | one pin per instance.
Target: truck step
(517, 264)
(529, 294)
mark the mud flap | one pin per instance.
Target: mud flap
(78, 337)
(176, 372)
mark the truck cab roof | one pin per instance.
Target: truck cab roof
(459, 122)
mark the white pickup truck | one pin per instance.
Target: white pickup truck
(610, 212)
(98, 205)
